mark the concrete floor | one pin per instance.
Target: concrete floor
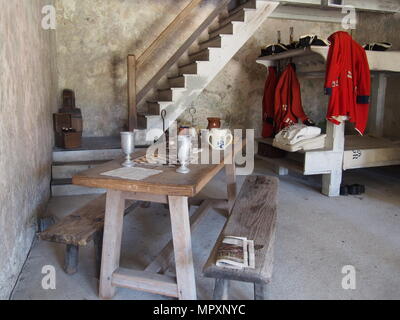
(316, 237)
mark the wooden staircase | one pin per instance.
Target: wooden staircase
(199, 63)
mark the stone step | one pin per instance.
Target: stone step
(66, 170)
(86, 155)
(93, 149)
(64, 187)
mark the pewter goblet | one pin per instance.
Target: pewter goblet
(128, 147)
(184, 150)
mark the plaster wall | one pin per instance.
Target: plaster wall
(384, 28)
(236, 93)
(94, 38)
(27, 87)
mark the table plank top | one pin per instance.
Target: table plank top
(169, 182)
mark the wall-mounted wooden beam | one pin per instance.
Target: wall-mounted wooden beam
(132, 65)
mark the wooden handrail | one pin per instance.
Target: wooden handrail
(134, 64)
(172, 27)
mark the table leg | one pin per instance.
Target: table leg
(181, 236)
(113, 224)
(230, 172)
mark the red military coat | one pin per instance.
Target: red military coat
(288, 105)
(268, 103)
(348, 81)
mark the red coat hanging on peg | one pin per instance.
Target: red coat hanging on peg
(288, 105)
(268, 103)
(348, 81)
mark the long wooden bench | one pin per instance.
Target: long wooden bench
(253, 216)
(79, 229)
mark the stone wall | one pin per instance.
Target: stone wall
(384, 28)
(28, 84)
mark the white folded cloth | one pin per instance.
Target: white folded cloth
(305, 145)
(299, 137)
(296, 133)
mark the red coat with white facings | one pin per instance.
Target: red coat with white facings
(348, 81)
(268, 103)
(288, 105)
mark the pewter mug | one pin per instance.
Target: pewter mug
(128, 147)
(184, 151)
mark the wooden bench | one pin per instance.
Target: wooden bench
(79, 229)
(253, 216)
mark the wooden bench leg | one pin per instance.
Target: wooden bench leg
(230, 172)
(71, 259)
(282, 171)
(98, 249)
(260, 291)
(221, 290)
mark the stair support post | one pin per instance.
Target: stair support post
(132, 67)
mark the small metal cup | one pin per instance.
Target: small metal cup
(128, 147)
(184, 151)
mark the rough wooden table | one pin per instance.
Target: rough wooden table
(170, 188)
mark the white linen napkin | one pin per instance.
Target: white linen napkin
(134, 173)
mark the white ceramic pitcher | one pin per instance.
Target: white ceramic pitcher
(220, 139)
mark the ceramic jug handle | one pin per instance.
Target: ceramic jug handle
(229, 138)
(209, 138)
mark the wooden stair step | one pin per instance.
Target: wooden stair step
(165, 95)
(226, 29)
(202, 55)
(215, 42)
(238, 17)
(154, 108)
(252, 4)
(177, 82)
(190, 68)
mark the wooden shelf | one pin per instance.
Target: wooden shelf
(313, 59)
